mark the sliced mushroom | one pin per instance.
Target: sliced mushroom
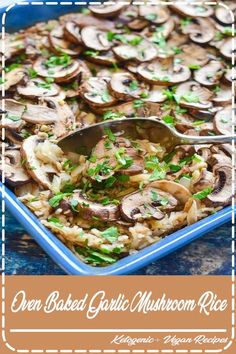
(37, 114)
(13, 170)
(227, 46)
(205, 180)
(192, 94)
(223, 95)
(90, 210)
(193, 54)
(113, 157)
(94, 38)
(60, 45)
(154, 13)
(13, 46)
(124, 86)
(14, 137)
(39, 171)
(95, 92)
(155, 94)
(223, 14)
(200, 30)
(13, 77)
(65, 121)
(222, 192)
(137, 48)
(87, 20)
(223, 121)
(210, 74)
(164, 72)
(103, 58)
(191, 10)
(29, 188)
(60, 73)
(37, 88)
(72, 32)
(228, 76)
(178, 191)
(151, 202)
(106, 11)
(164, 30)
(13, 117)
(177, 39)
(137, 24)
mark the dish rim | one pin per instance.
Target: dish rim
(72, 265)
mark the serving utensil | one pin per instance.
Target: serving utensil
(83, 140)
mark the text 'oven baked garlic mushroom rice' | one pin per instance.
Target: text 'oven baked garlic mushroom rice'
(109, 62)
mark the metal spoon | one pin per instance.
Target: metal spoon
(83, 140)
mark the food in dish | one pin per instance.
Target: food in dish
(112, 62)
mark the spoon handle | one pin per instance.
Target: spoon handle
(217, 139)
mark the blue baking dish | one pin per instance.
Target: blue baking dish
(22, 16)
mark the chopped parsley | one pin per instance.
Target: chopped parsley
(55, 221)
(95, 257)
(169, 120)
(112, 115)
(203, 194)
(190, 97)
(138, 103)
(133, 85)
(111, 234)
(32, 73)
(60, 60)
(194, 66)
(54, 201)
(109, 134)
(11, 67)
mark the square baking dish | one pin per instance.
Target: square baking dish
(21, 16)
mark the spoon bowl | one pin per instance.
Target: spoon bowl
(83, 140)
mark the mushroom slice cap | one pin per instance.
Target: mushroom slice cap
(200, 31)
(88, 20)
(192, 94)
(95, 92)
(156, 14)
(226, 48)
(193, 54)
(37, 88)
(37, 114)
(228, 76)
(13, 117)
(103, 58)
(14, 172)
(191, 10)
(224, 15)
(222, 193)
(90, 209)
(13, 77)
(210, 74)
(60, 73)
(155, 94)
(163, 72)
(177, 190)
(150, 202)
(223, 95)
(106, 11)
(124, 86)
(59, 44)
(223, 121)
(94, 38)
(142, 51)
(36, 169)
(72, 32)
